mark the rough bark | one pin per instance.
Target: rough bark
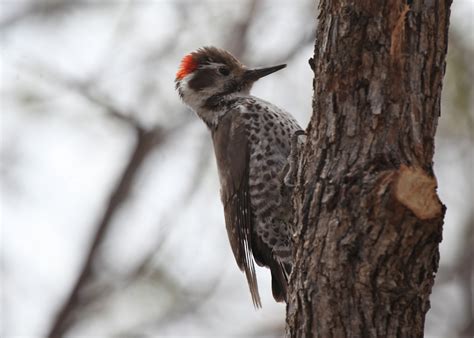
(368, 219)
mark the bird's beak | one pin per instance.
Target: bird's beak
(252, 75)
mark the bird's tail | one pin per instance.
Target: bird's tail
(279, 282)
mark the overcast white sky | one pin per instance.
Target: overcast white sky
(61, 156)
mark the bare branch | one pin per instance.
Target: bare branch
(238, 43)
(146, 140)
(187, 302)
(86, 90)
(40, 9)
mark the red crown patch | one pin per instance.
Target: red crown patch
(188, 65)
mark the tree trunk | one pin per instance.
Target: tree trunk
(368, 219)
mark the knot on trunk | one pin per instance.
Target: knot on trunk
(416, 190)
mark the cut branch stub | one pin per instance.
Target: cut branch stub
(416, 190)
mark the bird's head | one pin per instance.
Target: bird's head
(209, 75)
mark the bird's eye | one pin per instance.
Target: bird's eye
(224, 71)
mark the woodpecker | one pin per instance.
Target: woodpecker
(255, 146)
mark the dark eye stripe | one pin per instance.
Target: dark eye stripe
(202, 78)
(224, 71)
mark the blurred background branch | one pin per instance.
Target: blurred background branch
(42, 9)
(146, 142)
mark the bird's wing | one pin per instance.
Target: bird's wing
(232, 155)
